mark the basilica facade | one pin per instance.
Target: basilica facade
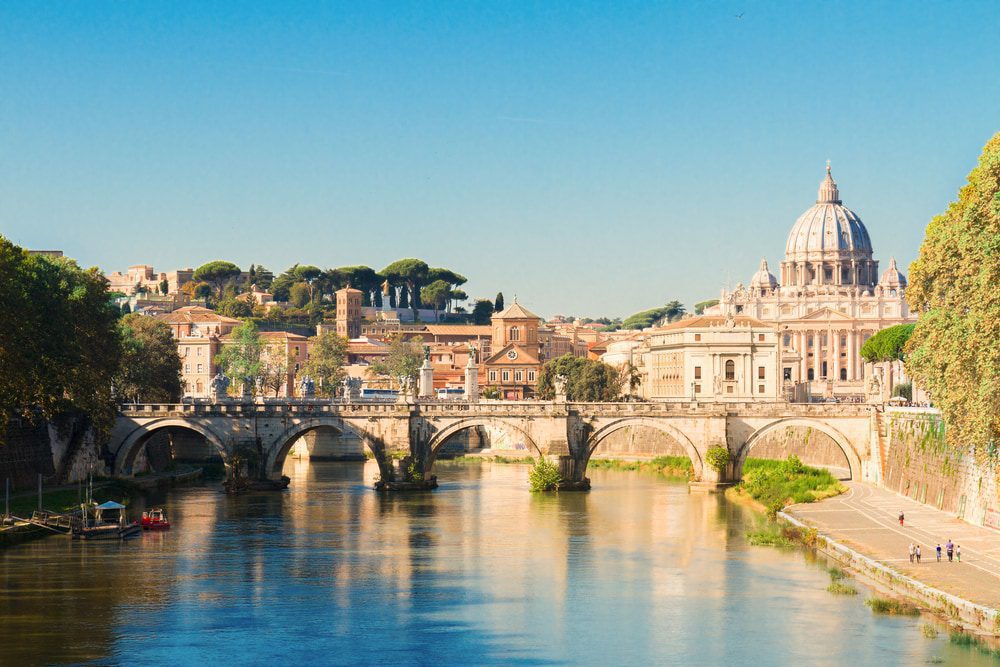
(829, 300)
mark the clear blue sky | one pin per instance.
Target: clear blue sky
(592, 158)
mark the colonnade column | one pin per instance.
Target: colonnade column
(800, 344)
(836, 355)
(817, 365)
(850, 355)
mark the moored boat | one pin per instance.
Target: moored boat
(106, 526)
(155, 519)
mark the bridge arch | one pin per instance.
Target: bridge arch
(440, 437)
(283, 442)
(133, 442)
(846, 446)
(660, 425)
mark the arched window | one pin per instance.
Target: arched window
(811, 374)
(730, 370)
(843, 373)
(515, 334)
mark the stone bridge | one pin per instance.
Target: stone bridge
(564, 432)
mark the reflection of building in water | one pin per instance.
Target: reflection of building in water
(829, 300)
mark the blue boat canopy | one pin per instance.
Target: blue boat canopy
(110, 505)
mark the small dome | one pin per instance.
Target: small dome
(828, 228)
(892, 277)
(764, 279)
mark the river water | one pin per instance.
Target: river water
(479, 571)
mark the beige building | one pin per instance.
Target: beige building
(711, 358)
(829, 301)
(143, 276)
(348, 301)
(516, 360)
(198, 332)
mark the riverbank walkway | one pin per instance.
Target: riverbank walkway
(866, 519)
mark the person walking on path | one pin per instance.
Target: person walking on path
(912, 552)
(900, 517)
(939, 553)
(950, 548)
(958, 552)
(918, 554)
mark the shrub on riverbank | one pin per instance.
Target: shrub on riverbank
(840, 588)
(544, 476)
(891, 607)
(775, 484)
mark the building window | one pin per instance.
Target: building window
(843, 341)
(760, 389)
(739, 309)
(518, 376)
(760, 338)
(843, 373)
(787, 340)
(824, 375)
(493, 376)
(828, 275)
(697, 337)
(515, 334)
(506, 376)
(187, 368)
(729, 389)
(296, 350)
(730, 370)
(788, 373)
(697, 372)
(697, 389)
(809, 340)
(199, 368)
(811, 375)
(531, 376)
(184, 351)
(199, 351)
(823, 340)
(296, 368)
(760, 372)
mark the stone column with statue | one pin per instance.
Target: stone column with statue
(426, 388)
(472, 377)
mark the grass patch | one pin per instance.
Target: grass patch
(769, 535)
(668, 466)
(891, 607)
(65, 499)
(928, 631)
(836, 574)
(840, 588)
(776, 484)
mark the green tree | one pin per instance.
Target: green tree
(298, 295)
(327, 355)
(262, 277)
(218, 274)
(365, 279)
(887, 344)
(308, 274)
(239, 308)
(240, 357)
(412, 275)
(498, 303)
(274, 364)
(164, 286)
(482, 311)
(150, 369)
(402, 364)
(437, 295)
(59, 342)
(955, 348)
(586, 379)
(281, 286)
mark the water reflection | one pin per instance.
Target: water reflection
(638, 570)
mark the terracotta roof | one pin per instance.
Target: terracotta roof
(711, 321)
(459, 329)
(195, 314)
(516, 311)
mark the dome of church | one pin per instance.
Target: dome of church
(764, 279)
(828, 230)
(892, 277)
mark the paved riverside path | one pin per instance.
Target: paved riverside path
(866, 518)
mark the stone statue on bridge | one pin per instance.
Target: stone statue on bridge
(219, 386)
(307, 387)
(352, 388)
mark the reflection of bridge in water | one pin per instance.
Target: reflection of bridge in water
(565, 432)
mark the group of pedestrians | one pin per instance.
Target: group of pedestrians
(953, 550)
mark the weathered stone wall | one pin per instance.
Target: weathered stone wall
(814, 448)
(62, 451)
(639, 442)
(919, 464)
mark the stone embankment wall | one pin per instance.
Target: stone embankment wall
(63, 450)
(918, 464)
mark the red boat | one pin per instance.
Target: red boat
(155, 520)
